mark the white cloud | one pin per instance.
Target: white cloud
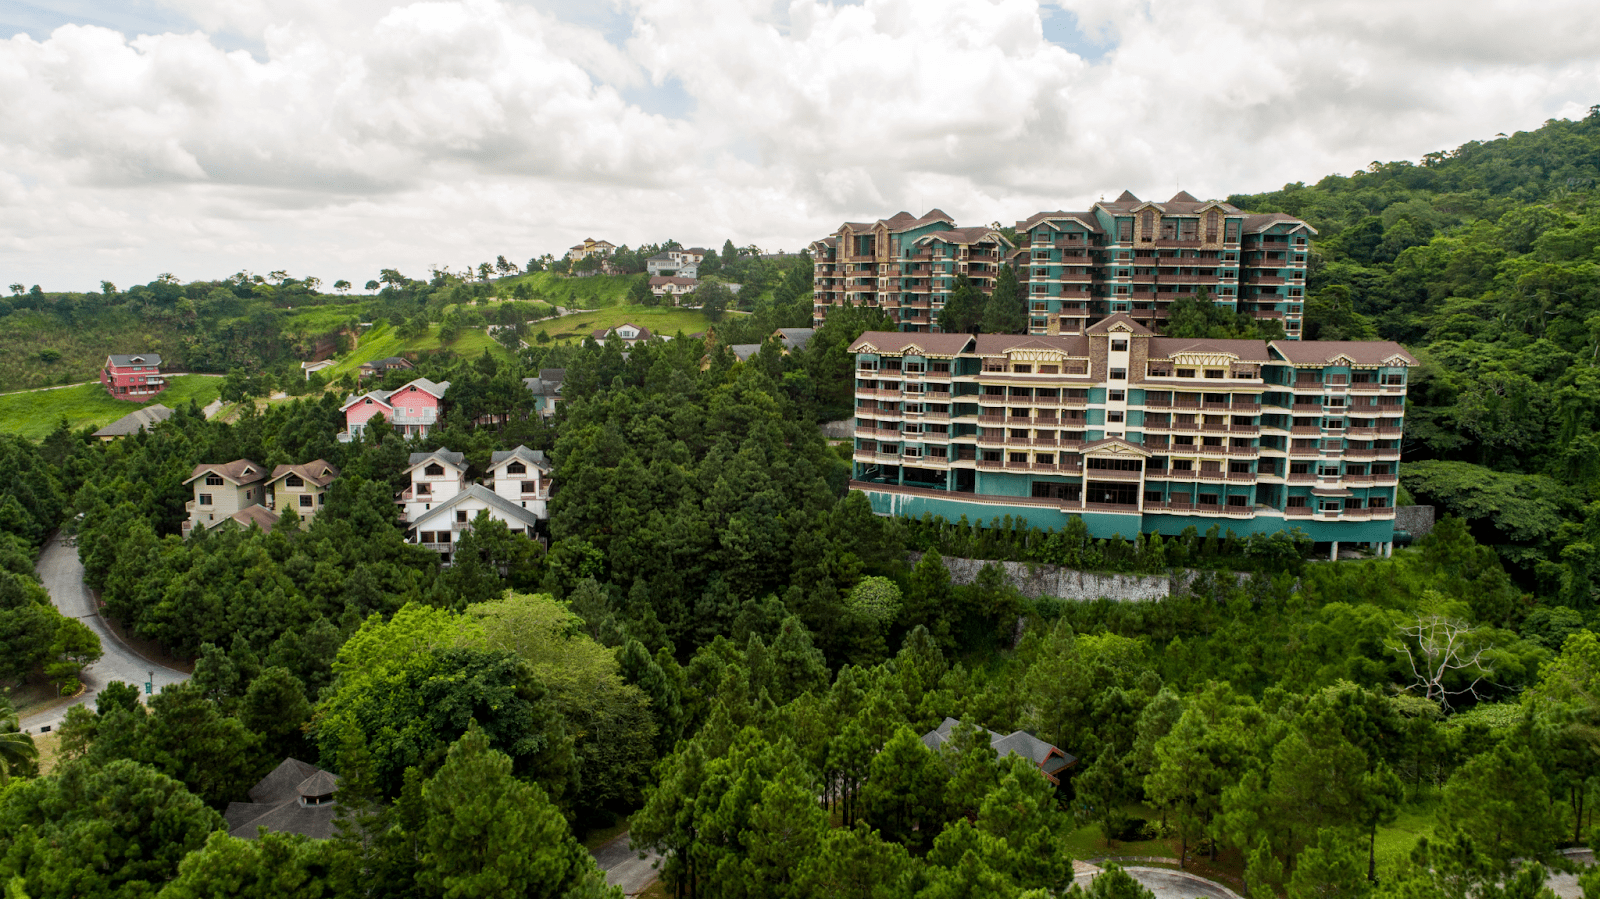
(366, 134)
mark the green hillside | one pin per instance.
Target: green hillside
(35, 414)
(593, 292)
(665, 320)
(382, 341)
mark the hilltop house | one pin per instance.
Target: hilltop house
(233, 492)
(440, 505)
(303, 488)
(590, 247)
(412, 410)
(627, 332)
(1052, 761)
(134, 378)
(311, 368)
(142, 419)
(294, 798)
(546, 390)
(671, 286)
(673, 263)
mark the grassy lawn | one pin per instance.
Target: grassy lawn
(382, 342)
(1396, 841)
(35, 415)
(322, 319)
(665, 320)
(593, 292)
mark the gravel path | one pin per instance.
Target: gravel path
(62, 574)
(1169, 884)
(623, 866)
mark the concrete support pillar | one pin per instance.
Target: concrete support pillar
(1333, 554)
(1388, 550)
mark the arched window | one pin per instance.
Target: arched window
(1147, 225)
(1213, 223)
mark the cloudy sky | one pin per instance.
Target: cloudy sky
(337, 137)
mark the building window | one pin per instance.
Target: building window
(305, 501)
(1119, 346)
(434, 470)
(205, 499)
(294, 480)
(213, 480)
(1114, 417)
(1116, 396)
(1119, 374)
(461, 516)
(516, 468)
(1236, 501)
(530, 486)
(1297, 502)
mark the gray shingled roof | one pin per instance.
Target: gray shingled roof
(796, 338)
(239, 471)
(275, 804)
(477, 491)
(135, 421)
(743, 351)
(1015, 743)
(531, 456)
(135, 359)
(459, 460)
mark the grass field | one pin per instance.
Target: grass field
(593, 292)
(382, 342)
(322, 319)
(665, 320)
(34, 415)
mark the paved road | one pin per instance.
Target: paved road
(1170, 884)
(62, 574)
(623, 866)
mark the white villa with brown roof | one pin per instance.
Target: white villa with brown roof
(626, 333)
(235, 492)
(672, 287)
(303, 488)
(440, 505)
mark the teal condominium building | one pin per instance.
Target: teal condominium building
(1133, 431)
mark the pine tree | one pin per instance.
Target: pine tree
(1006, 311)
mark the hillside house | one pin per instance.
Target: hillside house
(1052, 762)
(673, 263)
(627, 333)
(672, 287)
(295, 798)
(142, 419)
(412, 410)
(233, 492)
(136, 377)
(793, 338)
(303, 488)
(546, 390)
(590, 247)
(311, 368)
(522, 476)
(381, 367)
(441, 527)
(436, 478)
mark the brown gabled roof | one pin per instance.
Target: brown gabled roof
(901, 221)
(899, 343)
(1359, 352)
(999, 344)
(1127, 197)
(260, 516)
(1103, 326)
(317, 472)
(1183, 196)
(1085, 219)
(1243, 350)
(964, 235)
(239, 471)
(664, 280)
(1262, 221)
(1107, 442)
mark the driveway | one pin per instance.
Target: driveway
(62, 574)
(623, 866)
(1170, 884)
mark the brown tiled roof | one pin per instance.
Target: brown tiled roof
(260, 516)
(663, 280)
(999, 344)
(1087, 219)
(1182, 203)
(1103, 326)
(1360, 352)
(239, 471)
(1264, 220)
(1183, 196)
(1127, 197)
(317, 472)
(901, 343)
(1243, 350)
(965, 235)
(901, 221)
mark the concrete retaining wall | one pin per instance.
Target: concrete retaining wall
(1418, 520)
(843, 429)
(1036, 580)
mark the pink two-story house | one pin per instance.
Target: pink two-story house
(135, 378)
(412, 410)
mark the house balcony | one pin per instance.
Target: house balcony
(1217, 509)
(1176, 243)
(1112, 474)
(1253, 278)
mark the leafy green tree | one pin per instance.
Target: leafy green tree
(275, 866)
(17, 752)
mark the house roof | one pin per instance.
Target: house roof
(1086, 219)
(1114, 443)
(135, 359)
(795, 338)
(260, 516)
(138, 420)
(455, 460)
(1358, 352)
(437, 390)
(743, 351)
(897, 343)
(532, 457)
(493, 500)
(275, 803)
(1103, 326)
(542, 386)
(1015, 743)
(316, 471)
(239, 471)
(902, 221)
(1182, 203)
(389, 362)
(964, 236)
(1242, 350)
(1254, 224)
(553, 374)
(672, 280)
(644, 333)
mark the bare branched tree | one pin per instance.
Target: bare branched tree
(1439, 648)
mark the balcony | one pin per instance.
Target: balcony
(1112, 474)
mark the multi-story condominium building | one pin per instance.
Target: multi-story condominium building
(136, 377)
(1132, 431)
(1136, 256)
(905, 264)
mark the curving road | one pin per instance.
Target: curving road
(623, 866)
(62, 574)
(1165, 883)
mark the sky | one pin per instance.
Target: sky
(335, 138)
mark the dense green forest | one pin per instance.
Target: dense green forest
(723, 646)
